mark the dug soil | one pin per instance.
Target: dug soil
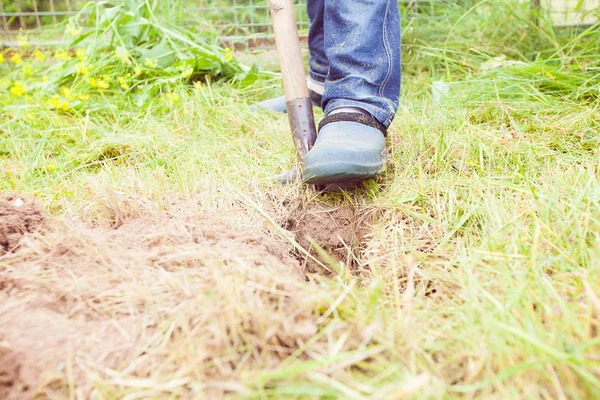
(17, 218)
(339, 231)
(78, 301)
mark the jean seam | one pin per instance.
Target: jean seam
(388, 54)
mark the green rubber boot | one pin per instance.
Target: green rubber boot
(345, 151)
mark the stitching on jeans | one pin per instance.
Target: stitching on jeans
(387, 50)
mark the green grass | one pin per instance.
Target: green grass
(480, 275)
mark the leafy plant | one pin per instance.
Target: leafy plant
(128, 51)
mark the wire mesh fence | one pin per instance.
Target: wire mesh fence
(243, 17)
(36, 17)
(234, 19)
(33, 15)
(573, 12)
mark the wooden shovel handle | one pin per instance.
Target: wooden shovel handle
(283, 18)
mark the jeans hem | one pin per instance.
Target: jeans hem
(384, 117)
(317, 77)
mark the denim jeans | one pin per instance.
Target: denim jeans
(355, 51)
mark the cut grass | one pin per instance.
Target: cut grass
(480, 274)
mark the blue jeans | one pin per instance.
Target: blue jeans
(356, 58)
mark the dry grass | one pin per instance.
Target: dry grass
(168, 267)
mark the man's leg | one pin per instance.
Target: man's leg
(317, 60)
(362, 43)
(362, 88)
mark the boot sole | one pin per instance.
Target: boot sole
(335, 172)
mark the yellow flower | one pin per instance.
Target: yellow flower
(62, 55)
(80, 53)
(57, 103)
(100, 83)
(18, 89)
(150, 63)
(22, 39)
(1, 58)
(38, 55)
(50, 167)
(45, 78)
(228, 56)
(123, 83)
(174, 98)
(27, 69)
(84, 97)
(66, 92)
(82, 69)
(71, 30)
(137, 71)
(16, 58)
(197, 84)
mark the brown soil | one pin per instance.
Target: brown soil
(9, 371)
(340, 231)
(81, 298)
(42, 342)
(18, 217)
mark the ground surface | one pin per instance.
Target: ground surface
(81, 291)
(145, 253)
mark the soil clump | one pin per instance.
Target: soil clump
(18, 216)
(338, 230)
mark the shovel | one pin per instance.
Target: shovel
(298, 102)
